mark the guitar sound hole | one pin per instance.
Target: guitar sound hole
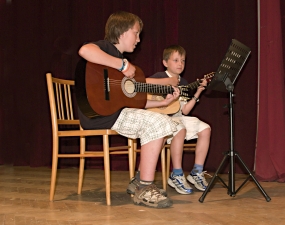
(128, 87)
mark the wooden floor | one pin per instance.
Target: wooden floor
(24, 199)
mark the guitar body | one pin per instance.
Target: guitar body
(102, 91)
(170, 109)
(108, 90)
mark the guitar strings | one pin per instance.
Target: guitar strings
(114, 82)
(143, 87)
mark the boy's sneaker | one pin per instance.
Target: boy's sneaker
(150, 196)
(198, 180)
(135, 183)
(180, 184)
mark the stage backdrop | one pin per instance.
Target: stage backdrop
(270, 154)
(44, 36)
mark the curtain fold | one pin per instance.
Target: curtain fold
(270, 151)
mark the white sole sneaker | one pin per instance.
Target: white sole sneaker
(197, 185)
(180, 188)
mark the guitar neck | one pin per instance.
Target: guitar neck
(157, 89)
(153, 88)
(194, 85)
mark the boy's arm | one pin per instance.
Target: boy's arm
(92, 53)
(173, 81)
(189, 106)
(165, 102)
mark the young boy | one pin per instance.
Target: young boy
(122, 35)
(174, 61)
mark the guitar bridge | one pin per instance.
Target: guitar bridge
(106, 85)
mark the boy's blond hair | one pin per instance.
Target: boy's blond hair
(118, 23)
(171, 49)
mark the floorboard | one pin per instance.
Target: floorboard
(24, 199)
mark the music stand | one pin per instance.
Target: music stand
(224, 79)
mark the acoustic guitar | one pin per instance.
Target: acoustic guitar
(102, 90)
(175, 105)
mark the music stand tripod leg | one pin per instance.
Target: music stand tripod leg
(201, 199)
(254, 179)
(232, 154)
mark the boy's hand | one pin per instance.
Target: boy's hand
(172, 97)
(203, 82)
(201, 88)
(131, 71)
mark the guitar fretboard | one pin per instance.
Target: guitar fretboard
(194, 85)
(153, 88)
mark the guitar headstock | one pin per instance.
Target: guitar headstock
(208, 77)
(187, 91)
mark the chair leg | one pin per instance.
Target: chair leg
(162, 157)
(107, 168)
(131, 157)
(81, 164)
(135, 155)
(167, 162)
(54, 168)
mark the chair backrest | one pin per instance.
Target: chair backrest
(61, 104)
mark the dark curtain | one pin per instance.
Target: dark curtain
(270, 154)
(206, 29)
(43, 36)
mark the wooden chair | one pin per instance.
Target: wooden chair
(187, 147)
(62, 113)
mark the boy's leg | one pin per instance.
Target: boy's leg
(202, 146)
(151, 128)
(177, 179)
(146, 193)
(176, 149)
(134, 182)
(196, 176)
(148, 159)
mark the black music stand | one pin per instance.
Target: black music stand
(224, 79)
